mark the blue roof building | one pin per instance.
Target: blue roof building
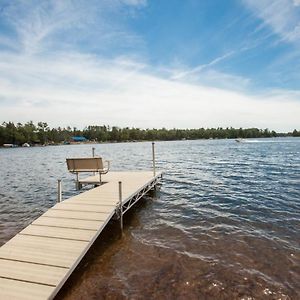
(78, 139)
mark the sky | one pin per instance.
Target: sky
(151, 63)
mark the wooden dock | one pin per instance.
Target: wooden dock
(37, 262)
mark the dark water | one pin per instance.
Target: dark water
(224, 225)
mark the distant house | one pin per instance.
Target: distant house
(78, 139)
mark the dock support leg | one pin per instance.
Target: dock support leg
(78, 185)
(93, 153)
(120, 206)
(59, 191)
(153, 159)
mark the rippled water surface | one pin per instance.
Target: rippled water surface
(224, 225)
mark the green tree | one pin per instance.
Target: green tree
(42, 130)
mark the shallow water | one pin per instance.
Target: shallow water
(224, 225)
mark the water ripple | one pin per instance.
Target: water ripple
(225, 223)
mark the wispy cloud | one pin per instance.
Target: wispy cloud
(55, 25)
(200, 68)
(282, 16)
(135, 2)
(209, 75)
(8, 43)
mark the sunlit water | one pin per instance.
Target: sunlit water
(224, 225)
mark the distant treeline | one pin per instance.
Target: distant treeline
(41, 133)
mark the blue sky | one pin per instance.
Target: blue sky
(152, 63)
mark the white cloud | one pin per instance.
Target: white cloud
(211, 77)
(282, 16)
(79, 90)
(47, 80)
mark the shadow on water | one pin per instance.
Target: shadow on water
(94, 271)
(141, 266)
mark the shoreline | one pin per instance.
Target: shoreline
(9, 146)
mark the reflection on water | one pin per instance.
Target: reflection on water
(225, 224)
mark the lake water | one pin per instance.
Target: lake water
(224, 225)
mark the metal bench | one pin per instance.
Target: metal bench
(87, 164)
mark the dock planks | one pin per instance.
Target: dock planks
(36, 262)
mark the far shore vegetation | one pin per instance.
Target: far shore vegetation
(41, 134)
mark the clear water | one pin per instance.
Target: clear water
(224, 225)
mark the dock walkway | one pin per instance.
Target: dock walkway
(36, 262)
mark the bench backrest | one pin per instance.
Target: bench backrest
(86, 164)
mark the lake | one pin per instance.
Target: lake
(225, 223)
